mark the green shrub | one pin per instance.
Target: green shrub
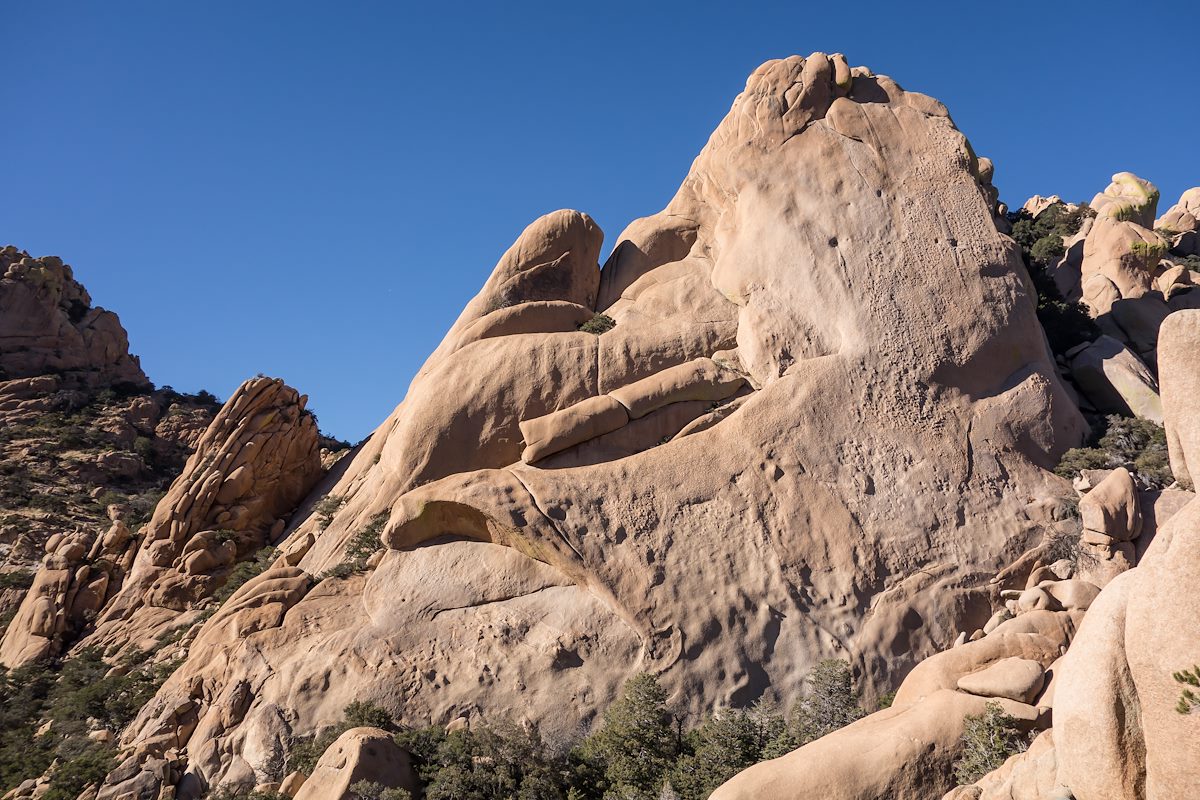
(829, 704)
(76, 695)
(327, 508)
(305, 751)
(141, 507)
(18, 579)
(364, 543)
(370, 790)
(638, 741)
(988, 740)
(1139, 445)
(727, 743)
(598, 324)
(1048, 249)
(1189, 701)
(1041, 241)
(243, 571)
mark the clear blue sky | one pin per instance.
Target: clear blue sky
(314, 190)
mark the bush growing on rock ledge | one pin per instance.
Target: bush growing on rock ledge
(1189, 701)
(598, 324)
(988, 739)
(1139, 445)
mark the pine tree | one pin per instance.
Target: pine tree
(637, 743)
(828, 704)
(988, 740)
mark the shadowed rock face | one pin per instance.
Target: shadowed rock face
(813, 431)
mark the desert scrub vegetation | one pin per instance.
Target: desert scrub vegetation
(1139, 445)
(988, 740)
(640, 751)
(598, 324)
(360, 547)
(327, 508)
(244, 571)
(48, 709)
(1041, 241)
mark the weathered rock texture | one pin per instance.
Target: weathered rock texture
(48, 325)
(816, 429)
(255, 462)
(1117, 731)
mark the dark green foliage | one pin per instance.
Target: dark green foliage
(885, 700)
(829, 704)
(1189, 701)
(230, 794)
(305, 751)
(727, 743)
(82, 763)
(244, 571)
(638, 742)
(1041, 242)
(20, 579)
(1048, 249)
(490, 762)
(364, 543)
(1139, 445)
(327, 507)
(367, 715)
(988, 740)
(359, 548)
(370, 790)
(598, 324)
(76, 696)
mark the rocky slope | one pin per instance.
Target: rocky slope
(83, 434)
(805, 411)
(800, 439)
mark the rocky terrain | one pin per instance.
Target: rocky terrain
(835, 417)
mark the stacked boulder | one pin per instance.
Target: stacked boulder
(49, 326)
(78, 576)
(254, 464)
(1129, 271)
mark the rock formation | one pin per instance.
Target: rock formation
(817, 428)
(251, 467)
(48, 325)
(256, 461)
(805, 411)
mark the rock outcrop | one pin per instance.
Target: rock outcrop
(816, 429)
(251, 467)
(48, 325)
(256, 461)
(359, 754)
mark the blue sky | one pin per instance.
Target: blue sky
(314, 190)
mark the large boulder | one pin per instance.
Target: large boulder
(1115, 380)
(359, 754)
(848, 407)
(1117, 733)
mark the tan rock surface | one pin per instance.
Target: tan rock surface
(1014, 678)
(840, 238)
(1116, 381)
(252, 466)
(359, 754)
(48, 324)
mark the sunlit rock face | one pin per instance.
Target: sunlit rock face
(813, 431)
